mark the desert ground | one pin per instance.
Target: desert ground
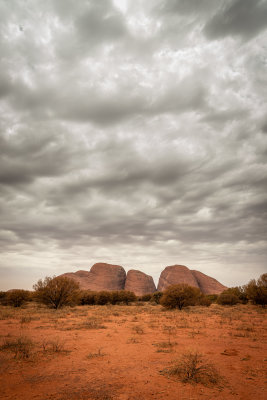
(127, 352)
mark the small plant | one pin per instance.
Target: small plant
(95, 355)
(138, 329)
(192, 368)
(26, 319)
(21, 347)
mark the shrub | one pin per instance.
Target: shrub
(179, 296)
(87, 298)
(256, 291)
(156, 296)
(127, 297)
(103, 297)
(193, 368)
(227, 299)
(239, 292)
(17, 297)
(145, 297)
(56, 292)
(204, 301)
(3, 298)
(212, 297)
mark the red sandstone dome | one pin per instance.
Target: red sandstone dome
(176, 274)
(139, 282)
(103, 276)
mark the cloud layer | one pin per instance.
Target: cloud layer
(133, 133)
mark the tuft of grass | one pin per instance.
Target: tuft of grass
(165, 347)
(193, 368)
(25, 319)
(21, 347)
(138, 329)
(54, 346)
(95, 355)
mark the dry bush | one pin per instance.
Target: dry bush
(56, 292)
(193, 368)
(256, 291)
(179, 296)
(21, 347)
(17, 297)
(55, 345)
(227, 299)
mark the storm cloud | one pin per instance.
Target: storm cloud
(133, 133)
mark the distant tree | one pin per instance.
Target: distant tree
(56, 292)
(256, 291)
(17, 297)
(179, 296)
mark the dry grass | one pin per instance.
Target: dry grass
(21, 347)
(193, 368)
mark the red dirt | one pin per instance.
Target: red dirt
(120, 352)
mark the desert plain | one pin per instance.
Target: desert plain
(125, 352)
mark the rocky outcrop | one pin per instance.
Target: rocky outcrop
(207, 284)
(176, 274)
(102, 276)
(139, 282)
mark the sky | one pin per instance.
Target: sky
(135, 133)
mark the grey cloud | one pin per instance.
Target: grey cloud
(133, 138)
(244, 18)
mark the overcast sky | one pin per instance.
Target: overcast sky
(133, 132)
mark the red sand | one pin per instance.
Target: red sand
(119, 352)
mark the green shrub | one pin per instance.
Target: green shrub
(56, 292)
(227, 299)
(179, 296)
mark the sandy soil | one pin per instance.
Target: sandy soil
(121, 352)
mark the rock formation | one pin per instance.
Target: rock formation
(207, 284)
(139, 282)
(104, 276)
(176, 274)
